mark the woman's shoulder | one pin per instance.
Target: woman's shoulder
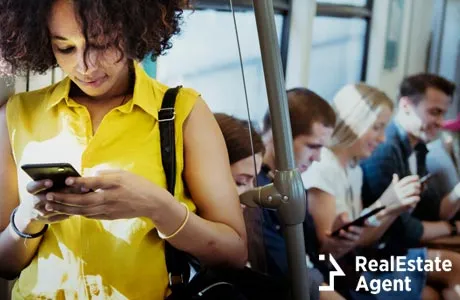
(184, 92)
(34, 99)
(26, 107)
(185, 99)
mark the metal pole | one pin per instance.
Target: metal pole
(287, 179)
(274, 82)
(437, 35)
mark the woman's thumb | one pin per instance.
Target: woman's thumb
(395, 178)
(344, 217)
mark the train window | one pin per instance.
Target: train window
(205, 57)
(344, 2)
(337, 54)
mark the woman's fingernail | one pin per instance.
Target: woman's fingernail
(48, 183)
(49, 197)
(48, 207)
(84, 190)
(70, 181)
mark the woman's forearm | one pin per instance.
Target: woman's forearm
(15, 252)
(373, 234)
(211, 242)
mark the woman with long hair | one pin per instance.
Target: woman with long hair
(245, 163)
(334, 183)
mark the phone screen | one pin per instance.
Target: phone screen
(56, 172)
(359, 221)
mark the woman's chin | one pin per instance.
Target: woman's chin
(365, 154)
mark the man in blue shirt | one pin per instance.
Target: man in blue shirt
(423, 101)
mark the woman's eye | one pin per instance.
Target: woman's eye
(66, 50)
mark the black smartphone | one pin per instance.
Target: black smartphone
(56, 172)
(359, 221)
(425, 178)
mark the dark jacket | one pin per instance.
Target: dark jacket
(391, 157)
(275, 247)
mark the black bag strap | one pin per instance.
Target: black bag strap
(176, 260)
(166, 117)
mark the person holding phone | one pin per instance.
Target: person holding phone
(334, 183)
(103, 235)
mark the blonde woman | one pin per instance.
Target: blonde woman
(334, 184)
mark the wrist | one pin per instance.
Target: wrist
(24, 222)
(25, 227)
(167, 213)
(387, 199)
(161, 206)
(22, 217)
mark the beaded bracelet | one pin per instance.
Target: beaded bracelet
(187, 215)
(23, 234)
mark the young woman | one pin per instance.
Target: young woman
(334, 183)
(335, 188)
(237, 135)
(104, 234)
(245, 167)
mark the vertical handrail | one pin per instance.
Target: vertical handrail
(437, 35)
(287, 179)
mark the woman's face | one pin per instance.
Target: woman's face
(101, 71)
(374, 136)
(243, 172)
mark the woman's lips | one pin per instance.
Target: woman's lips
(94, 83)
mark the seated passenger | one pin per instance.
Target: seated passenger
(352, 105)
(423, 101)
(334, 183)
(244, 167)
(312, 122)
(103, 236)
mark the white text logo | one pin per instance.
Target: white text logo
(338, 272)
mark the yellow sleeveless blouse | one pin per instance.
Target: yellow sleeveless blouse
(80, 258)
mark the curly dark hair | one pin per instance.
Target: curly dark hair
(135, 27)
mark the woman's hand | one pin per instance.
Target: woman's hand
(112, 194)
(402, 194)
(347, 240)
(32, 209)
